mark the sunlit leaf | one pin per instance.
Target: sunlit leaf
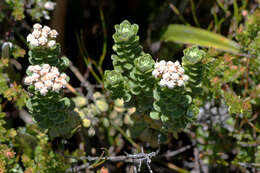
(191, 35)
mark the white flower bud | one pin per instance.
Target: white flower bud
(46, 29)
(162, 63)
(155, 73)
(180, 82)
(45, 78)
(44, 34)
(49, 76)
(37, 26)
(170, 63)
(172, 69)
(46, 66)
(161, 69)
(42, 40)
(156, 65)
(43, 91)
(31, 68)
(180, 70)
(37, 67)
(44, 72)
(55, 71)
(36, 33)
(29, 38)
(170, 84)
(63, 82)
(34, 42)
(175, 76)
(163, 83)
(172, 73)
(38, 85)
(53, 33)
(56, 87)
(177, 63)
(49, 5)
(185, 77)
(166, 75)
(28, 80)
(48, 83)
(51, 43)
(46, 15)
(63, 76)
(35, 76)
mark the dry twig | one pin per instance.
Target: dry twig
(139, 159)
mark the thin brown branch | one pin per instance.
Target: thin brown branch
(128, 158)
(176, 152)
(84, 83)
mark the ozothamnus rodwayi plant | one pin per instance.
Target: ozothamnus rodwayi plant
(49, 108)
(163, 90)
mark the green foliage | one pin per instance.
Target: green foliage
(115, 82)
(31, 147)
(191, 35)
(220, 100)
(194, 68)
(36, 9)
(137, 86)
(233, 81)
(8, 89)
(126, 46)
(39, 55)
(41, 157)
(249, 31)
(102, 116)
(172, 107)
(52, 112)
(142, 82)
(17, 7)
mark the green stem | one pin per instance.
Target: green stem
(222, 6)
(193, 10)
(87, 59)
(177, 12)
(236, 14)
(83, 45)
(104, 50)
(219, 24)
(89, 66)
(244, 4)
(129, 139)
(215, 17)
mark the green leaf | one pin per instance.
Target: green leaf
(155, 115)
(192, 35)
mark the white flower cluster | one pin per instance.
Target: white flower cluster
(45, 78)
(42, 36)
(49, 5)
(171, 73)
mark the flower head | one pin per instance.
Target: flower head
(51, 43)
(46, 78)
(53, 33)
(49, 5)
(37, 26)
(170, 73)
(28, 80)
(34, 42)
(42, 36)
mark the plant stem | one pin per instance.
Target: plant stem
(193, 9)
(129, 139)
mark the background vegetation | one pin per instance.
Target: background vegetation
(225, 134)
